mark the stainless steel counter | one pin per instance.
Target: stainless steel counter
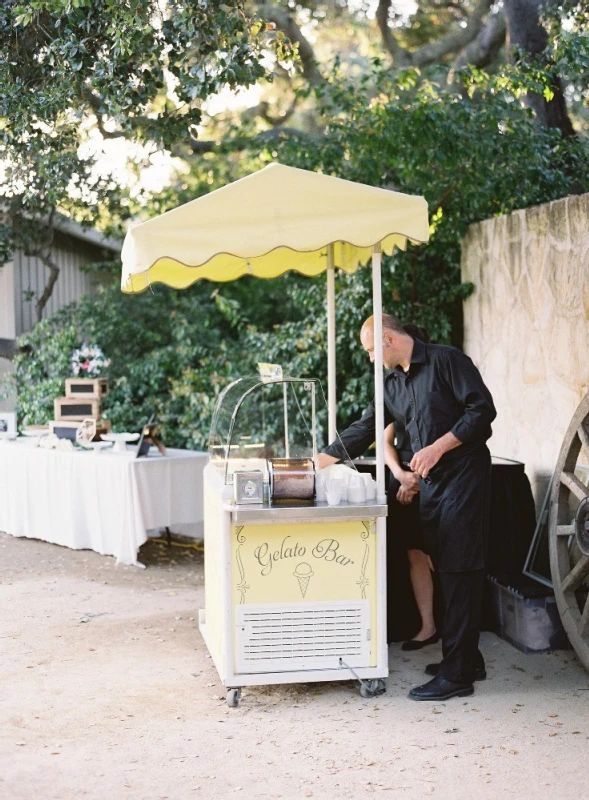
(266, 514)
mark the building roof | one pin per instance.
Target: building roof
(68, 226)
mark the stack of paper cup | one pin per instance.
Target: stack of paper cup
(320, 489)
(369, 486)
(333, 491)
(356, 490)
(345, 481)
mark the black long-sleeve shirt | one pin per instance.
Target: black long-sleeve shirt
(441, 391)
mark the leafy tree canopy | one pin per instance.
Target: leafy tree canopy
(74, 72)
(472, 153)
(456, 134)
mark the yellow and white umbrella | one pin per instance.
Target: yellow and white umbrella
(273, 221)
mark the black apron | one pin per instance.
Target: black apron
(454, 510)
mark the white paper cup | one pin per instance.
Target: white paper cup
(369, 486)
(320, 490)
(356, 493)
(333, 498)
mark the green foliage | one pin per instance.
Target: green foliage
(468, 146)
(138, 71)
(171, 352)
(118, 58)
(473, 154)
(568, 25)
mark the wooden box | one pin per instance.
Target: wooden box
(66, 429)
(86, 388)
(76, 408)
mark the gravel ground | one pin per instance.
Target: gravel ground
(107, 691)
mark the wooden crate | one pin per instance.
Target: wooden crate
(76, 408)
(86, 388)
(66, 429)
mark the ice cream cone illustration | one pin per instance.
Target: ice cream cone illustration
(303, 573)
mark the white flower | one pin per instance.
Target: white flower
(89, 359)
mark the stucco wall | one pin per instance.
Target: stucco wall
(527, 325)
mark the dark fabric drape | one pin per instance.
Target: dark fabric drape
(512, 525)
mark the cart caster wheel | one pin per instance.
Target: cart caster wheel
(372, 688)
(233, 697)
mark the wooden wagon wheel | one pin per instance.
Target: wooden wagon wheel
(569, 532)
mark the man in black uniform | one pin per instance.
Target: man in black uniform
(437, 395)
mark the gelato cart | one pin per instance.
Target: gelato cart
(295, 588)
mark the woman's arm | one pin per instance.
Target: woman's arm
(409, 481)
(391, 457)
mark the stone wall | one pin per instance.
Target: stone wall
(527, 326)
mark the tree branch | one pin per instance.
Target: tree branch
(264, 113)
(400, 56)
(262, 110)
(485, 48)
(96, 104)
(454, 41)
(108, 134)
(525, 31)
(48, 290)
(197, 146)
(42, 250)
(207, 146)
(284, 22)
(283, 133)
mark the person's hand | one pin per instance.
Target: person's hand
(425, 460)
(324, 460)
(408, 489)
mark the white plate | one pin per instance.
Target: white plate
(119, 437)
(97, 446)
(34, 432)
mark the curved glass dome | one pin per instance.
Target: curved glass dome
(255, 420)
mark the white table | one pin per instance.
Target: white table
(100, 501)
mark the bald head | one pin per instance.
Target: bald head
(397, 345)
(389, 323)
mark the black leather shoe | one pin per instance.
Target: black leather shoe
(441, 689)
(416, 644)
(479, 675)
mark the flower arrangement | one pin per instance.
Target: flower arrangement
(88, 361)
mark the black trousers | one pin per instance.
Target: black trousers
(463, 600)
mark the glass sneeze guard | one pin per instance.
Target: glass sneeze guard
(255, 421)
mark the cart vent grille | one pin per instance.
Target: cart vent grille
(278, 637)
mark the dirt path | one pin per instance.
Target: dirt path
(107, 691)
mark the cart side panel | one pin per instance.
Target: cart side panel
(307, 563)
(215, 567)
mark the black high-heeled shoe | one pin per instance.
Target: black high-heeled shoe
(417, 644)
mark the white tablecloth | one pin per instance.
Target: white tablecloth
(100, 501)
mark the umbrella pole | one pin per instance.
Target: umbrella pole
(378, 371)
(331, 399)
(285, 404)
